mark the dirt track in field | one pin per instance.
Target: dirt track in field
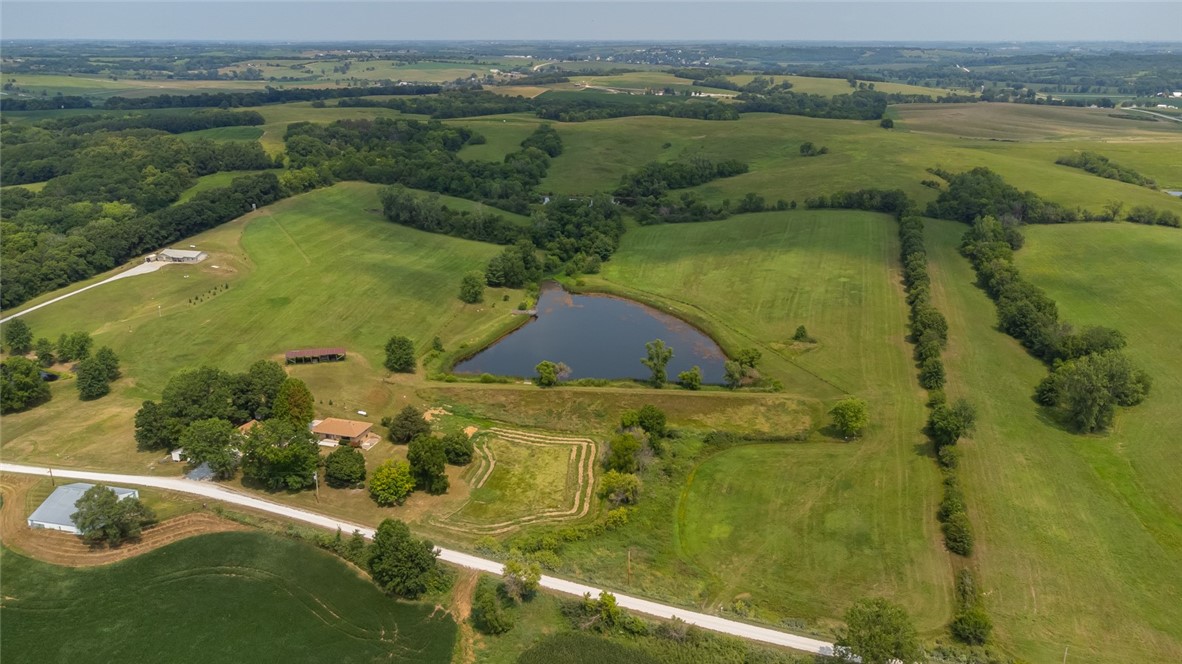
(65, 549)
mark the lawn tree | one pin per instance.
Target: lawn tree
(690, 379)
(428, 464)
(406, 425)
(281, 454)
(44, 349)
(213, 441)
(256, 390)
(850, 417)
(91, 380)
(802, 335)
(878, 632)
(521, 579)
(154, 430)
(400, 355)
(21, 386)
(103, 517)
(391, 483)
(75, 346)
(294, 403)
(948, 424)
(619, 488)
(1091, 387)
(458, 448)
(108, 361)
(399, 563)
(472, 289)
(748, 357)
(344, 467)
(18, 337)
(658, 358)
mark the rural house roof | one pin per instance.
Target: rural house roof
(248, 426)
(181, 253)
(59, 509)
(335, 426)
(314, 352)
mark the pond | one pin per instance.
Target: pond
(597, 336)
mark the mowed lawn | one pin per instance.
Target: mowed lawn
(801, 530)
(1079, 538)
(227, 597)
(321, 269)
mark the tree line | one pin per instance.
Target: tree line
(172, 123)
(1098, 164)
(269, 95)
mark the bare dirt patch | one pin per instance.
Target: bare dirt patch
(69, 550)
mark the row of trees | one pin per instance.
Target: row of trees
(1098, 164)
(654, 179)
(172, 123)
(269, 95)
(1090, 376)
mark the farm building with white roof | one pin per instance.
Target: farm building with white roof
(57, 512)
(177, 256)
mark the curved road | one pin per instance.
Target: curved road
(217, 492)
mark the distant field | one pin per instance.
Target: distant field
(227, 597)
(1025, 122)
(839, 86)
(99, 87)
(832, 519)
(321, 269)
(639, 82)
(34, 186)
(1076, 535)
(243, 133)
(213, 181)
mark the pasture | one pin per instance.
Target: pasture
(321, 269)
(824, 514)
(1077, 536)
(226, 597)
(214, 181)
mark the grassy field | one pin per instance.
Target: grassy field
(320, 269)
(244, 133)
(521, 480)
(228, 597)
(214, 181)
(839, 86)
(1077, 536)
(829, 521)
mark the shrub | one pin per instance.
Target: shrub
(458, 448)
(619, 488)
(690, 379)
(344, 467)
(971, 626)
(931, 373)
(400, 355)
(850, 417)
(958, 534)
(622, 454)
(652, 420)
(488, 615)
(392, 483)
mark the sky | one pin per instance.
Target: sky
(661, 20)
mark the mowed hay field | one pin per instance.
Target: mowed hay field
(320, 269)
(227, 597)
(1079, 538)
(798, 530)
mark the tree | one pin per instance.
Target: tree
(281, 454)
(428, 464)
(256, 390)
(92, 382)
(807, 149)
(621, 455)
(1091, 387)
(458, 448)
(733, 374)
(690, 379)
(658, 358)
(75, 346)
(472, 288)
(401, 564)
(802, 335)
(948, 424)
(213, 441)
(521, 579)
(547, 373)
(18, 337)
(21, 386)
(108, 361)
(344, 467)
(958, 534)
(619, 488)
(931, 373)
(887, 123)
(487, 613)
(44, 349)
(103, 517)
(971, 626)
(400, 355)
(652, 420)
(294, 403)
(407, 424)
(391, 483)
(878, 632)
(850, 417)
(748, 357)
(153, 428)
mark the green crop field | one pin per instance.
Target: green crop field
(828, 519)
(322, 269)
(1078, 536)
(227, 597)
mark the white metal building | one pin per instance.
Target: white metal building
(57, 512)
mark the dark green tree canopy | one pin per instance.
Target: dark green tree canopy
(399, 563)
(21, 386)
(428, 464)
(18, 337)
(878, 632)
(407, 425)
(103, 517)
(400, 355)
(344, 467)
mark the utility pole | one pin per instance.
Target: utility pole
(316, 481)
(52, 482)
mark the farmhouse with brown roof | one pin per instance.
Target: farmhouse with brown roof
(351, 432)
